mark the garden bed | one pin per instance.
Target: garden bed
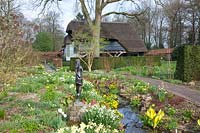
(32, 103)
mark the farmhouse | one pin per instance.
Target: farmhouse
(121, 37)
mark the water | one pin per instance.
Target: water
(131, 121)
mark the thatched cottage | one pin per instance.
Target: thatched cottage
(121, 37)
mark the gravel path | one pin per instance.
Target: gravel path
(48, 68)
(179, 90)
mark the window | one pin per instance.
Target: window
(69, 52)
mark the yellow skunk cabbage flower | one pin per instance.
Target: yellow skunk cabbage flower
(198, 121)
(158, 118)
(154, 117)
(151, 113)
(160, 114)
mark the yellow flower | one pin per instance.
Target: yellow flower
(198, 121)
(155, 118)
(47, 87)
(115, 104)
(156, 121)
(161, 113)
(158, 118)
(151, 113)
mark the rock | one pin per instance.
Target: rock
(192, 83)
(76, 111)
(145, 102)
(134, 130)
(131, 121)
(139, 124)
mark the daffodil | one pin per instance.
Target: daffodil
(198, 121)
(83, 125)
(115, 104)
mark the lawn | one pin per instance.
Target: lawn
(40, 103)
(165, 71)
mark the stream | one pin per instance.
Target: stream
(131, 120)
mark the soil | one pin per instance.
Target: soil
(182, 105)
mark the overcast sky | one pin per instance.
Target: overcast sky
(67, 8)
(66, 13)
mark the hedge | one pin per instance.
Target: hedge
(188, 63)
(117, 62)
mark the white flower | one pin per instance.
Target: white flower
(64, 115)
(74, 129)
(83, 126)
(72, 86)
(60, 111)
(61, 130)
(62, 78)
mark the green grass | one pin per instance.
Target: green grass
(52, 89)
(165, 71)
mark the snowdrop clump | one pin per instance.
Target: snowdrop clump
(60, 111)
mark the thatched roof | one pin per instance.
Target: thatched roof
(124, 33)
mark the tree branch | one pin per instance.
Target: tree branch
(85, 12)
(104, 3)
(125, 14)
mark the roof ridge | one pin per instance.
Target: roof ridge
(102, 22)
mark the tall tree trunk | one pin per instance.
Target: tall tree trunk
(160, 34)
(199, 32)
(193, 28)
(171, 35)
(96, 29)
(180, 30)
(96, 38)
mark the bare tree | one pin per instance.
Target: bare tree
(50, 23)
(172, 10)
(192, 8)
(94, 19)
(14, 50)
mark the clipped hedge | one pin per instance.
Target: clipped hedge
(117, 62)
(188, 63)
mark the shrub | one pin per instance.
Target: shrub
(110, 101)
(50, 94)
(135, 102)
(15, 52)
(162, 94)
(2, 113)
(171, 111)
(188, 57)
(3, 94)
(101, 115)
(117, 62)
(89, 96)
(30, 125)
(187, 115)
(140, 87)
(171, 124)
(43, 42)
(27, 85)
